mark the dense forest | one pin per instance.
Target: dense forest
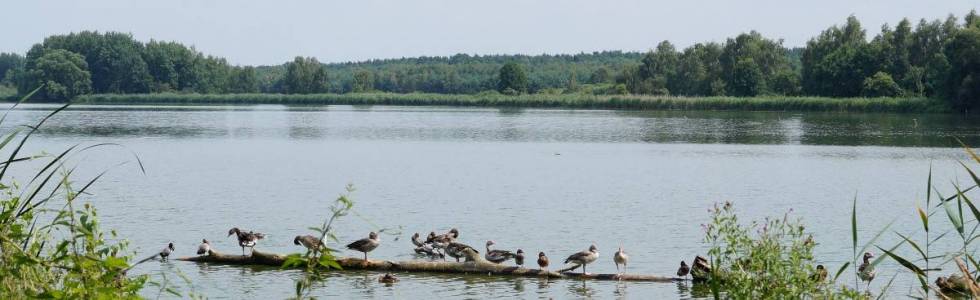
(938, 59)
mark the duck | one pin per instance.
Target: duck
(620, 258)
(387, 278)
(542, 260)
(166, 251)
(584, 257)
(497, 256)
(204, 248)
(458, 250)
(519, 257)
(820, 275)
(366, 244)
(683, 270)
(310, 242)
(866, 271)
(246, 239)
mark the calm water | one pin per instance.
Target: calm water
(541, 180)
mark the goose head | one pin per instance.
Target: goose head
(296, 240)
(593, 249)
(454, 233)
(373, 235)
(520, 251)
(415, 236)
(540, 254)
(205, 241)
(867, 256)
(683, 264)
(432, 236)
(489, 243)
(234, 230)
(171, 246)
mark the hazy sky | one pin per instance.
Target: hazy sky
(271, 32)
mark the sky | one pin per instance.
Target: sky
(272, 32)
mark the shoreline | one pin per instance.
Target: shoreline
(573, 101)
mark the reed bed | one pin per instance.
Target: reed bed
(576, 101)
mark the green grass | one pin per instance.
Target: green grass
(623, 102)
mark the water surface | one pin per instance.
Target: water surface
(542, 180)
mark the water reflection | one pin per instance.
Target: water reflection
(582, 289)
(505, 124)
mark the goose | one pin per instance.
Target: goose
(204, 248)
(443, 239)
(458, 250)
(620, 258)
(821, 274)
(246, 239)
(583, 258)
(416, 241)
(542, 260)
(683, 270)
(867, 271)
(310, 242)
(519, 257)
(166, 251)
(700, 268)
(387, 278)
(366, 244)
(497, 256)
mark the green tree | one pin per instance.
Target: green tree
(243, 80)
(880, 85)
(363, 81)
(8, 62)
(748, 79)
(305, 75)
(512, 79)
(658, 69)
(63, 75)
(963, 81)
(601, 75)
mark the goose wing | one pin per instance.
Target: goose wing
(359, 244)
(577, 257)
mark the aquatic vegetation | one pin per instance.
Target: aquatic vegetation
(582, 101)
(51, 243)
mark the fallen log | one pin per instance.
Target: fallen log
(474, 264)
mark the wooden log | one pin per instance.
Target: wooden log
(475, 264)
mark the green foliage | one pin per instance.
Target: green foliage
(318, 263)
(776, 262)
(52, 246)
(61, 74)
(363, 81)
(304, 75)
(9, 62)
(512, 79)
(963, 53)
(747, 78)
(880, 85)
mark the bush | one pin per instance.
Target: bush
(880, 85)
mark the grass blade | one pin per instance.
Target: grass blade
(841, 270)
(904, 262)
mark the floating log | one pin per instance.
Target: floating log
(474, 264)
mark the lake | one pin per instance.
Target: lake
(538, 179)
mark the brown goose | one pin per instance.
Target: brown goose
(166, 251)
(458, 250)
(700, 268)
(620, 258)
(583, 258)
(311, 243)
(246, 239)
(497, 256)
(204, 248)
(821, 274)
(542, 260)
(366, 244)
(416, 241)
(683, 270)
(387, 278)
(519, 257)
(866, 271)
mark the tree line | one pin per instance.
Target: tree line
(939, 59)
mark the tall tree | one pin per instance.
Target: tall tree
(363, 81)
(512, 79)
(305, 75)
(9, 61)
(61, 74)
(963, 83)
